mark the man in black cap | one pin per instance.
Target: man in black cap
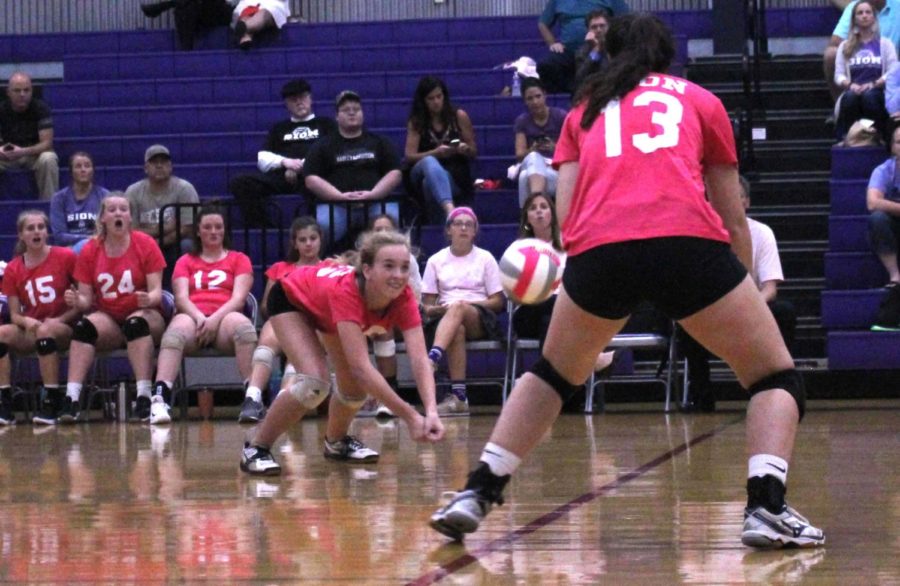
(281, 159)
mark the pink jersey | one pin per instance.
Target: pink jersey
(642, 163)
(41, 289)
(210, 284)
(328, 293)
(278, 270)
(116, 279)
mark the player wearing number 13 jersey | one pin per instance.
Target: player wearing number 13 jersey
(649, 200)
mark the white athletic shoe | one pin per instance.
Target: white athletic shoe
(763, 529)
(350, 449)
(463, 514)
(258, 461)
(159, 411)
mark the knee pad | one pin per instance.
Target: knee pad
(790, 380)
(173, 341)
(264, 355)
(309, 391)
(245, 334)
(85, 332)
(289, 370)
(45, 346)
(352, 402)
(384, 348)
(4, 350)
(135, 327)
(547, 373)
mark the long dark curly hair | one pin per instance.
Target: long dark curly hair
(419, 117)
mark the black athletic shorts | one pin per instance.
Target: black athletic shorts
(679, 275)
(277, 301)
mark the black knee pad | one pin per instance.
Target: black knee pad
(135, 327)
(545, 371)
(4, 350)
(278, 301)
(84, 331)
(790, 380)
(46, 346)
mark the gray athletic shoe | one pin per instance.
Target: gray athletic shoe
(461, 515)
(251, 411)
(763, 529)
(258, 461)
(350, 450)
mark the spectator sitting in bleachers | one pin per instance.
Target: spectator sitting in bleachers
(766, 273)
(349, 168)
(35, 282)
(211, 285)
(440, 145)
(864, 62)
(537, 131)
(591, 57)
(251, 17)
(557, 70)
(148, 196)
(883, 202)
(26, 135)
(306, 247)
(119, 276)
(888, 12)
(281, 159)
(74, 209)
(192, 16)
(461, 296)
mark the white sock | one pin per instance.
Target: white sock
(73, 391)
(501, 461)
(254, 393)
(144, 388)
(763, 464)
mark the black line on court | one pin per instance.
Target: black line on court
(503, 542)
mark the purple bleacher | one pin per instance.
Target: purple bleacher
(494, 238)
(9, 213)
(853, 270)
(847, 310)
(7, 245)
(848, 196)
(855, 163)
(863, 350)
(848, 233)
(252, 246)
(18, 184)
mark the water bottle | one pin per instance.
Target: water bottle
(275, 380)
(516, 85)
(121, 405)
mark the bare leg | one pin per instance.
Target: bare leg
(140, 351)
(260, 373)
(169, 360)
(48, 364)
(226, 343)
(340, 415)
(889, 260)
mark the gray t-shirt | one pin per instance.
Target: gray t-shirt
(145, 204)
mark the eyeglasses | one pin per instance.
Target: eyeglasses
(462, 224)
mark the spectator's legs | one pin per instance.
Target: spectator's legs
(557, 72)
(237, 336)
(251, 192)
(849, 111)
(786, 318)
(883, 240)
(187, 19)
(700, 395)
(434, 181)
(874, 109)
(46, 172)
(333, 219)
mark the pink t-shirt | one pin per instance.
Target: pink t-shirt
(328, 293)
(211, 284)
(473, 277)
(642, 163)
(41, 289)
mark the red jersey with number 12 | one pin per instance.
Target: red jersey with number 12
(641, 165)
(41, 289)
(116, 279)
(210, 284)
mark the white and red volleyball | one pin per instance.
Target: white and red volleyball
(530, 271)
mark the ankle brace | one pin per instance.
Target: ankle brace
(487, 484)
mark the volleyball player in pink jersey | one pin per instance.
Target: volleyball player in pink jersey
(35, 283)
(211, 285)
(638, 156)
(306, 245)
(119, 274)
(329, 310)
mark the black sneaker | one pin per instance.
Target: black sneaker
(68, 413)
(350, 449)
(258, 461)
(7, 417)
(251, 411)
(142, 408)
(49, 409)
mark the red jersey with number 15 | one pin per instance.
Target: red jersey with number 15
(328, 293)
(210, 284)
(116, 279)
(41, 289)
(641, 165)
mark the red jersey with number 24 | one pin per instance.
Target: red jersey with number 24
(328, 293)
(641, 165)
(116, 279)
(210, 284)
(41, 289)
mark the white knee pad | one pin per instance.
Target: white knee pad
(264, 355)
(352, 402)
(309, 391)
(244, 335)
(384, 348)
(173, 340)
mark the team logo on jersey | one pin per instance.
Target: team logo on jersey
(302, 133)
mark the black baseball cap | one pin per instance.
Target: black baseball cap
(345, 96)
(295, 87)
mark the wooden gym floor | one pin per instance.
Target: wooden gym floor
(633, 496)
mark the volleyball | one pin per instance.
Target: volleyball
(530, 271)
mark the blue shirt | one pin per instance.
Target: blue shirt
(885, 179)
(569, 15)
(72, 220)
(888, 22)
